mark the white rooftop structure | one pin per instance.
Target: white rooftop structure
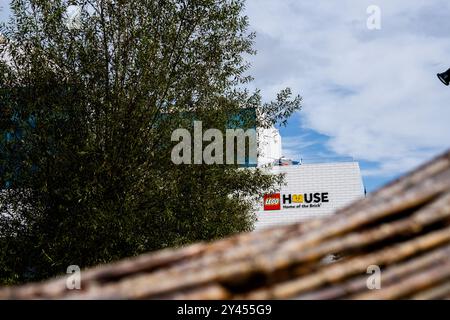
(270, 148)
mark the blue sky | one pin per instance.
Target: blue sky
(369, 95)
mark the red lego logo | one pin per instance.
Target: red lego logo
(272, 202)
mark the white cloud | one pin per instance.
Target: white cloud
(374, 93)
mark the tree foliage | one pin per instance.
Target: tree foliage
(87, 115)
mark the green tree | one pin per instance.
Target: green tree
(87, 113)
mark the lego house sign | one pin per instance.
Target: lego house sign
(310, 191)
(295, 201)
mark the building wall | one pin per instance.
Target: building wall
(341, 183)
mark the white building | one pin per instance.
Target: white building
(312, 190)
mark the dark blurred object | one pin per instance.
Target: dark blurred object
(445, 77)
